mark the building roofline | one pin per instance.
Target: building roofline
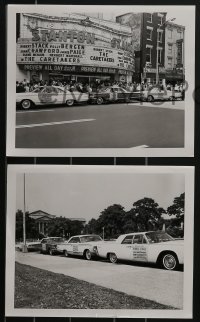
(169, 23)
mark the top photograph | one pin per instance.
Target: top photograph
(94, 81)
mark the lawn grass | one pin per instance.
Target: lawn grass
(40, 289)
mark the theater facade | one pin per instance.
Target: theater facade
(73, 48)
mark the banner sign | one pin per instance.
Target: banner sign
(73, 54)
(75, 69)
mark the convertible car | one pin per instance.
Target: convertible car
(49, 95)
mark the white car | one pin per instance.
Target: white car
(150, 247)
(49, 95)
(81, 245)
(156, 94)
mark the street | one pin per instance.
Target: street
(137, 124)
(165, 287)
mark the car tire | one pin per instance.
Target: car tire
(100, 100)
(70, 102)
(88, 255)
(150, 98)
(169, 261)
(113, 258)
(66, 253)
(26, 104)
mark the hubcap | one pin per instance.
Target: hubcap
(169, 261)
(113, 258)
(26, 104)
(70, 102)
(88, 254)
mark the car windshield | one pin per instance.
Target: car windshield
(57, 239)
(86, 239)
(158, 237)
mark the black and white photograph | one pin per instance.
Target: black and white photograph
(99, 241)
(100, 80)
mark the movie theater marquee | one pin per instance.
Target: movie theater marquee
(75, 48)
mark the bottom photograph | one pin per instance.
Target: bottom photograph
(99, 241)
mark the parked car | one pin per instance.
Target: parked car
(157, 94)
(149, 247)
(81, 245)
(112, 94)
(49, 95)
(31, 246)
(49, 245)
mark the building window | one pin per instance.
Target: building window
(149, 17)
(169, 63)
(160, 19)
(170, 33)
(159, 36)
(148, 54)
(169, 49)
(159, 55)
(179, 34)
(149, 34)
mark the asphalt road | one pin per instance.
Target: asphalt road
(165, 287)
(154, 125)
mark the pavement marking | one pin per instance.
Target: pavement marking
(38, 111)
(139, 146)
(53, 123)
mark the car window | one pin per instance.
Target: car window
(44, 241)
(86, 239)
(139, 239)
(128, 239)
(158, 237)
(50, 90)
(74, 240)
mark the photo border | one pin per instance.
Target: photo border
(187, 151)
(14, 170)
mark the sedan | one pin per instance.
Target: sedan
(112, 94)
(156, 94)
(149, 247)
(49, 95)
(81, 245)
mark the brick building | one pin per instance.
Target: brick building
(148, 31)
(174, 52)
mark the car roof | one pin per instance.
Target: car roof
(85, 235)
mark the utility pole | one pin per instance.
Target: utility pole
(24, 248)
(103, 232)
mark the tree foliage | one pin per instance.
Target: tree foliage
(31, 226)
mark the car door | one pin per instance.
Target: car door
(124, 250)
(48, 95)
(139, 248)
(72, 246)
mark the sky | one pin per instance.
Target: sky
(87, 195)
(181, 13)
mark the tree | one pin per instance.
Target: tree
(178, 208)
(147, 214)
(31, 226)
(111, 219)
(176, 224)
(61, 226)
(91, 227)
(130, 222)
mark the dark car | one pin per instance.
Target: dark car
(49, 245)
(112, 94)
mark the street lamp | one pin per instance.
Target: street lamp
(157, 44)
